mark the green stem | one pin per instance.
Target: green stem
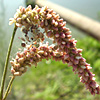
(8, 88)
(6, 63)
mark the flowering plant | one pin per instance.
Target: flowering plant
(37, 24)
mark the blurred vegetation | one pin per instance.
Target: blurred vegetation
(98, 15)
(3, 46)
(30, 2)
(52, 80)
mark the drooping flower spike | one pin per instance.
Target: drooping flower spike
(31, 21)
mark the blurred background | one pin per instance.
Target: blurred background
(51, 80)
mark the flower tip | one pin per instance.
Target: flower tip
(11, 22)
(18, 25)
(17, 74)
(83, 67)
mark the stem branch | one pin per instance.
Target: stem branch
(8, 88)
(6, 63)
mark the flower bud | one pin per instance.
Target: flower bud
(17, 74)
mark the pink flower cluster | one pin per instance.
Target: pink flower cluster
(30, 20)
(32, 55)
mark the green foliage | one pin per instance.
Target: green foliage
(52, 80)
(98, 15)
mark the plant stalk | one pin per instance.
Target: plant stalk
(6, 63)
(8, 88)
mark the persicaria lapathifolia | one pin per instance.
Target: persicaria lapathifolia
(30, 21)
